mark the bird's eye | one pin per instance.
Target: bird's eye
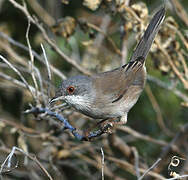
(70, 89)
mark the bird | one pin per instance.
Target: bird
(111, 94)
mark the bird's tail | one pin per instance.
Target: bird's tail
(146, 41)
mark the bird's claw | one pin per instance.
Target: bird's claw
(107, 127)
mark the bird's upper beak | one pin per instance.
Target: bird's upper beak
(58, 96)
(55, 98)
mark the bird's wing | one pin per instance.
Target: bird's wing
(131, 71)
(116, 82)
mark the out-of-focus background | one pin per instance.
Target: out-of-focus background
(86, 37)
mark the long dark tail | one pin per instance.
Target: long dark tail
(143, 47)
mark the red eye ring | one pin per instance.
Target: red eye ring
(70, 89)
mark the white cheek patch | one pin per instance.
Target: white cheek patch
(79, 102)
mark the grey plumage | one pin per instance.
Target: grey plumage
(113, 93)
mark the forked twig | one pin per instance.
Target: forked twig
(37, 56)
(19, 74)
(9, 159)
(34, 20)
(17, 82)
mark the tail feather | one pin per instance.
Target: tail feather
(143, 47)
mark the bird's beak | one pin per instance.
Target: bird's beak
(54, 99)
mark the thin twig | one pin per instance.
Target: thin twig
(180, 11)
(17, 82)
(48, 69)
(119, 144)
(179, 177)
(41, 12)
(37, 56)
(170, 62)
(179, 34)
(47, 63)
(136, 161)
(183, 130)
(92, 162)
(19, 126)
(109, 39)
(132, 12)
(32, 64)
(41, 81)
(20, 45)
(9, 159)
(102, 163)
(19, 74)
(145, 137)
(182, 59)
(157, 109)
(124, 50)
(21, 61)
(160, 83)
(154, 165)
(52, 43)
(123, 164)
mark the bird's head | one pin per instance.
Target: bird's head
(76, 91)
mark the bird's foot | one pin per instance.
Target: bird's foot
(107, 127)
(103, 127)
(111, 123)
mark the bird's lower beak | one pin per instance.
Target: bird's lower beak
(54, 99)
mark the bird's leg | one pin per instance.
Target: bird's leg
(123, 120)
(104, 126)
(93, 127)
(102, 121)
(113, 122)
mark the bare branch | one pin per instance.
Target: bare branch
(102, 163)
(37, 56)
(19, 74)
(53, 44)
(154, 165)
(9, 159)
(145, 137)
(157, 109)
(18, 83)
(130, 168)
(32, 64)
(136, 161)
(170, 88)
(48, 69)
(179, 177)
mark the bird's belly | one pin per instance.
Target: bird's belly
(128, 100)
(120, 108)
